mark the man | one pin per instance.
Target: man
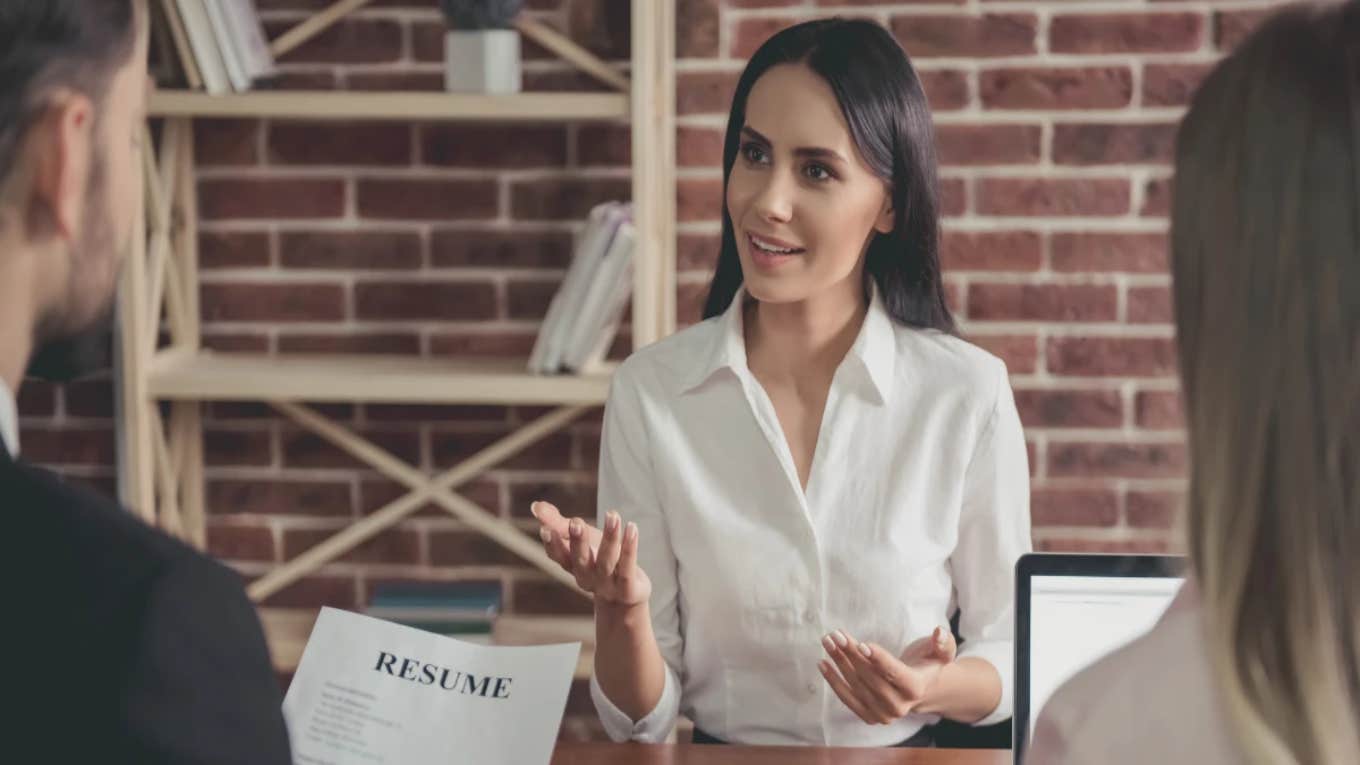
(118, 644)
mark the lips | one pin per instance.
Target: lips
(772, 246)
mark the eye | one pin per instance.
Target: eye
(818, 172)
(753, 153)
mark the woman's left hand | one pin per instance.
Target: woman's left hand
(878, 686)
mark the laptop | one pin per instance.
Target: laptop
(1071, 610)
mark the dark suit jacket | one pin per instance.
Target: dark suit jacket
(118, 644)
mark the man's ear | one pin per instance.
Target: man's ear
(61, 143)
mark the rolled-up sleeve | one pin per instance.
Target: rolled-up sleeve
(626, 485)
(994, 531)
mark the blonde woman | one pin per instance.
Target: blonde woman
(1258, 659)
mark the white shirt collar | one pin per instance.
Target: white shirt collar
(9, 420)
(875, 346)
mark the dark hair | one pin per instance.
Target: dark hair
(885, 106)
(49, 44)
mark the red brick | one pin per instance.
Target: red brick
(1112, 356)
(1074, 507)
(704, 92)
(425, 299)
(549, 598)
(352, 343)
(605, 145)
(271, 198)
(953, 198)
(689, 303)
(1126, 33)
(350, 250)
(462, 548)
(357, 143)
(1116, 460)
(241, 543)
(290, 497)
(1019, 352)
(698, 199)
(1114, 143)
(493, 145)
(991, 34)
(305, 80)
(233, 249)
(697, 28)
(1172, 84)
(1233, 27)
(697, 252)
(964, 145)
(563, 81)
(1153, 509)
(1159, 410)
(1123, 546)
(222, 142)
(37, 399)
(304, 449)
(698, 147)
(747, 35)
(1070, 408)
(554, 452)
(991, 250)
(946, 89)
(377, 494)
(1150, 305)
(90, 398)
(1043, 302)
(1104, 253)
(602, 26)
(235, 342)
(566, 198)
(574, 499)
(413, 82)
(500, 248)
(427, 199)
(834, 3)
(436, 413)
(497, 343)
(352, 41)
(525, 299)
(1096, 87)
(390, 546)
(1053, 197)
(262, 301)
(1157, 198)
(67, 445)
(223, 447)
(316, 592)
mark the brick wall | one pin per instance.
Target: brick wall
(1055, 120)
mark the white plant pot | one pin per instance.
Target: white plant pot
(482, 61)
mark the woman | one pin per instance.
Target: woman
(1258, 659)
(817, 475)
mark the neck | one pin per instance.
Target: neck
(18, 309)
(805, 338)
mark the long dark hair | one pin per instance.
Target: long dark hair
(885, 106)
(1265, 244)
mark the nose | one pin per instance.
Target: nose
(773, 201)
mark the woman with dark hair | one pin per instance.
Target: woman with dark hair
(1258, 658)
(819, 474)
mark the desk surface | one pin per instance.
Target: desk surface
(689, 754)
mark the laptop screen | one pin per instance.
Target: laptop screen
(1076, 620)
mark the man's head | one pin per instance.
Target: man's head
(73, 88)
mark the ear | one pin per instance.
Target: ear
(62, 144)
(887, 216)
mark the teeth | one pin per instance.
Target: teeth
(767, 248)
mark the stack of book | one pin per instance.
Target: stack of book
(584, 315)
(463, 610)
(220, 44)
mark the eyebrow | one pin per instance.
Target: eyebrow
(801, 151)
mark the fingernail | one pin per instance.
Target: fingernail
(632, 532)
(545, 535)
(612, 521)
(841, 639)
(824, 667)
(866, 650)
(575, 528)
(533, 509)
(829, 643)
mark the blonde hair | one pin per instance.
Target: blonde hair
(1266, 260)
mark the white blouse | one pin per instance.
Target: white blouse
(9, 421)
(917, 502)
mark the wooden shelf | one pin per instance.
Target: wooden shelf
(288, 629)
(350, 105)
(251, 377)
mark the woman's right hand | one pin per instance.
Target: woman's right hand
(604, 563)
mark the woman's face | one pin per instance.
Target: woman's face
(803, 204)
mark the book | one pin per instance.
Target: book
(226, 43)
(180, 35)
(243, 19)
(598, 321)
(203, 42)
(567, 304)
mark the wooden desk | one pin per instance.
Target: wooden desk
(689, 754)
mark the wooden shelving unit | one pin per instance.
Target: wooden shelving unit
(162, 456)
